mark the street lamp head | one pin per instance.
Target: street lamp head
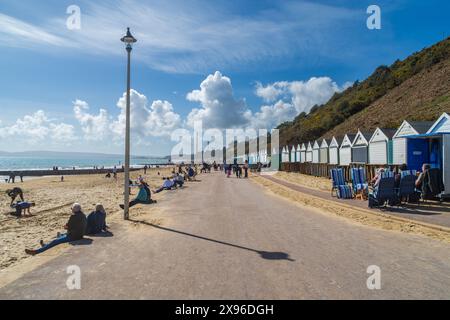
(128, 39)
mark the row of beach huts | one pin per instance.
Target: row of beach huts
(413, 144)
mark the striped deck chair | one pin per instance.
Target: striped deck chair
(359, 183)
(405, 173)
(385, 193)
(340, 187)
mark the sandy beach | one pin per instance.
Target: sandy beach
(53, 200)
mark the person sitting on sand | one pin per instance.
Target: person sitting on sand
(76, 227)
(178, 180)
(167, 185)
(143, 197)
(23, 207)
(14, 193)
(96, 221)
(191, 173)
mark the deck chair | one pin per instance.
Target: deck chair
(407, 189)
(340, 188)
(384, 193)
(359, 182)
(432, 185)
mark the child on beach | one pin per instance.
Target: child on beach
(76, 228)
(23, 207)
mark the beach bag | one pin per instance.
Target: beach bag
(344, 192)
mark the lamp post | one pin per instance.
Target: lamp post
(129, 40)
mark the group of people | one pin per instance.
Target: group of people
(177, 180)
(12, 177)
(237, 169)
(427, 182)
(77, 227)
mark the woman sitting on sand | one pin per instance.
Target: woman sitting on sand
(96, 221)
(76, 227)
(144, 196)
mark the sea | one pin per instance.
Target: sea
(18, 163)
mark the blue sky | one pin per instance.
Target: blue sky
(274, 59)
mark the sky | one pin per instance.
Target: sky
(229, 64)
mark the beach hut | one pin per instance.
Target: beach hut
(297, 154)
(309, 152)
(399, 141)
(293, 154)
(316, 152)
(380, 146)
(285, 155)
(333, 150)
(303, 153)
(345, 150)
(433, 148)
(360, 147)
(324, 151)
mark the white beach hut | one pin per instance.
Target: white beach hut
(309, 152)
(380, 146)
(303, 153)
(345, 150)
(399, 141)
(360, 147)
(324, 151)
(293, 154)
(316, 152)
(297, 154)
(284, 155)
(333, 150)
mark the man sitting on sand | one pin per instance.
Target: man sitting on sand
(23, 207)
(144, 196)
(96, 221)
(76, 227)
(167, 185)
(178, 180)
(14, 193)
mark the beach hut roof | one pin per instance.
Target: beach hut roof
(316, 144)
(336, 142)
(415, 127)
(303, 148)
(309, 148)
(349, 137)
(362, 135)
(442, 125)
(387, 133)
(325, 143)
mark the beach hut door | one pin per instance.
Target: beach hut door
(435, 153)
(418, 153)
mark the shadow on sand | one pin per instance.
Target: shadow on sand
(263, 254)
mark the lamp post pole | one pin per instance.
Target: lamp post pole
(128, 40)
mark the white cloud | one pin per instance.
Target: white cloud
(95, 127)
(38, 127)
(177, 36)
(155, 120)
(17, 32)
(271, 116)
(303, 95)
(219, 108)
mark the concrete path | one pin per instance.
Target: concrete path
(227, 239)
